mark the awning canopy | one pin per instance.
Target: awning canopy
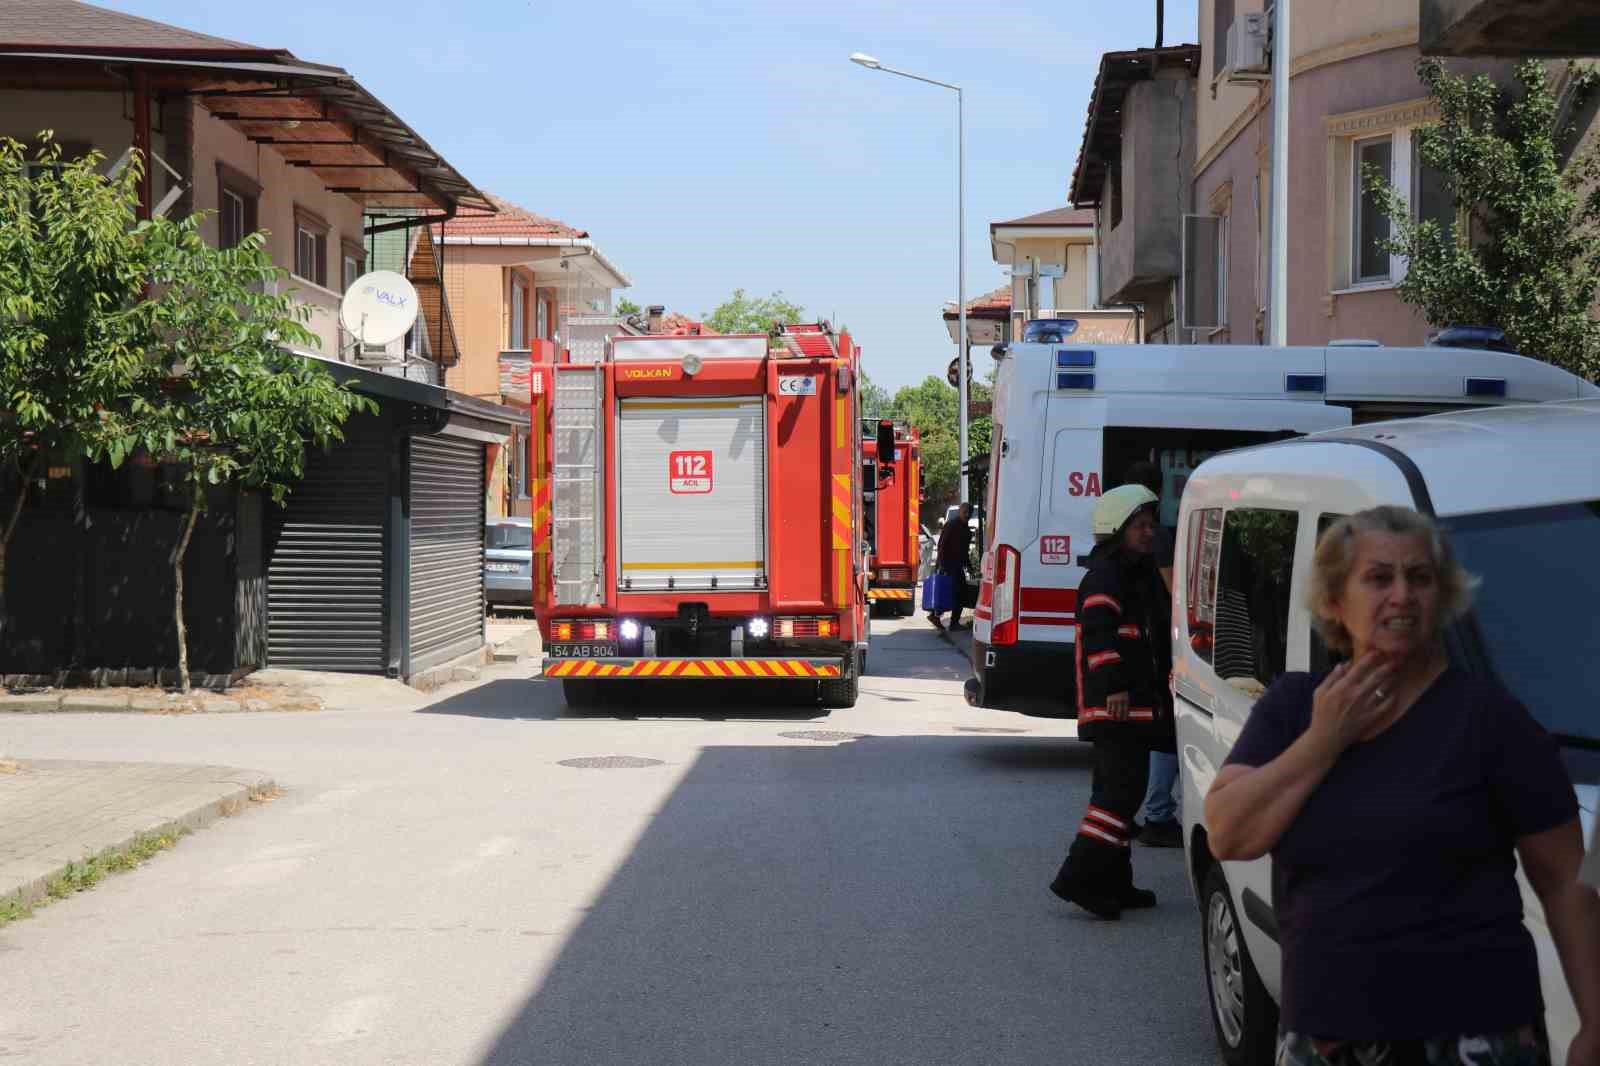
(317, 117)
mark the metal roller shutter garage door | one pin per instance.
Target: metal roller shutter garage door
(446, 549)
(325, 596)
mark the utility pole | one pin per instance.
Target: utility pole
(1278, 268)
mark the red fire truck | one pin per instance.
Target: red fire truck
(891, 472)
(697, 513)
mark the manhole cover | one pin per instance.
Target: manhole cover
(986, 729)
(821, 734)
(609, 762)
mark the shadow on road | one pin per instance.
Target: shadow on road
(538, 699)
(877, 902)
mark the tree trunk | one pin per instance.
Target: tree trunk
(11, 527)
(177, 584)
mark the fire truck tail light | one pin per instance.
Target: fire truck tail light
(561, 631)
(1007, 594)
(602, 630)
(805, 627)
(786, 627)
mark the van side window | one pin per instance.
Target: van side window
(1323, 658)
(1205, 552)
(1252, 610)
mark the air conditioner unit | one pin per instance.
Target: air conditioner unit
(1249, 50)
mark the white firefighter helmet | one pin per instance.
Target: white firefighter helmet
(1116, 507)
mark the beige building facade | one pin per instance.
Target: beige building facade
(1355, 103)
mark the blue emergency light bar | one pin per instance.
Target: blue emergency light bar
(1069, 357)
(1075, 381)
(1486, 387)
(1305, 383)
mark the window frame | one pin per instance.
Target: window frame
(307, 224)
(517, 321)
(1283, 625)
(351, 252)
(1358, 200)
(238, 184)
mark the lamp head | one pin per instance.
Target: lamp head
(865, 60)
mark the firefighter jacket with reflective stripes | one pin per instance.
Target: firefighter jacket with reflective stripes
(1125, 645)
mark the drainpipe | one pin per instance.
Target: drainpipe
(397, 538)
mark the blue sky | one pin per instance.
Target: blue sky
(719, 145)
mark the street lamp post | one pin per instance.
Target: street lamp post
(871, 63)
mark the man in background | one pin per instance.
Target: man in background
(1160, 829)
(955, 546)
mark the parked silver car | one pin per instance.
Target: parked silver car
(508, 561)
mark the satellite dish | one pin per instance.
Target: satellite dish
(379, 307)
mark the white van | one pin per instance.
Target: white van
(1070, 419)
(1518, 491)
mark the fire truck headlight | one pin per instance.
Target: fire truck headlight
(629, 630)
(692, 364)
(758, 629)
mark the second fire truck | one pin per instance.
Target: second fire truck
(891, 472)
(697, 513)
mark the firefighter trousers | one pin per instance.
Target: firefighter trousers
(1099, 862)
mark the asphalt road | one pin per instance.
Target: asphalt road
(436, 887)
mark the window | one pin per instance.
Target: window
(1323, 658)
(1205, 550)
(237, 196)
(541, 329)
(352, 262)
(310, 247)
(1431, 198)
(230, 222)
(1221, 20)
(1251, 610)
(519, 313)
(1370, 226)
(509, 535)
(519, 463)
(1205, 272)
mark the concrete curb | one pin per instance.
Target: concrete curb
(242, 786)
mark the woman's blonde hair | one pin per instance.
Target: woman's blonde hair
(1336, 557)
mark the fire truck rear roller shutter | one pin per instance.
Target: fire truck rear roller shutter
(694, 540)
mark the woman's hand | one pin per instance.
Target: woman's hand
(1351, 700)
(1117, 706)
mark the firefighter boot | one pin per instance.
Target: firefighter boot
(1088, 878)
(1131, 898)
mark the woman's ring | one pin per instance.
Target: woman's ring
(1380, 694)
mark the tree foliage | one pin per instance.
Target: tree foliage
(1529, 259)
(123, 336)
(932, 406)
(875, 399)
(742, 313)
(626, 307)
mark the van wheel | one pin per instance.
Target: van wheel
(842, 693)
(580, 693)
(1245, 1017)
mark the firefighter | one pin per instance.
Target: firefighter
(1124, 660)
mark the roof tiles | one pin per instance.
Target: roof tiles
(510, 221)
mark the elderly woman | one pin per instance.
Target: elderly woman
(1394, 795)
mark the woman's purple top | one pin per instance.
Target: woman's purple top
(1395, 886)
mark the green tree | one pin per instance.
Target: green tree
(932, 406)
(742, 313)
(626, 307)
(119, 336)
(1529, 260)
(72, 338)
(875, 400)
(220, 396)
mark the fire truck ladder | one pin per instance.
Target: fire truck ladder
(577, 471)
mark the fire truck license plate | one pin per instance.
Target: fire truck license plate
(583, 651)
(689, 472)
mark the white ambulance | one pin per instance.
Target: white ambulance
(1069, 420)
(1518, 493)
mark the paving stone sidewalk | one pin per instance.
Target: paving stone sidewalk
(57, 811)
